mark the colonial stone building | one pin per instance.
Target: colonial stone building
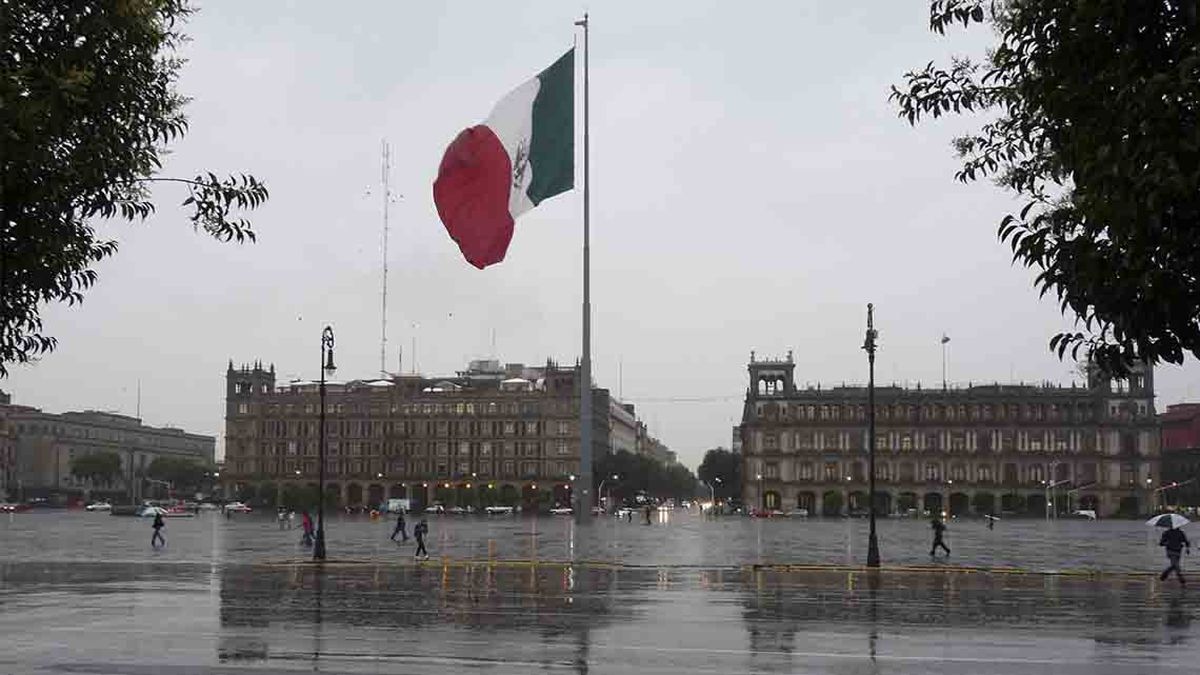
(979, 449)
(38, 447)
(1180, 426)
(487, 435)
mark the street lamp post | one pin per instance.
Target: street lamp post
(869, 346)
(607, 495)
(326, 366)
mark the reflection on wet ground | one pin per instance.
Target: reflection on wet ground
(83, 594)
(134, 618)
(676, 539)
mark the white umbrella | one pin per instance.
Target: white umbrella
(991, 517)
(1168, 520)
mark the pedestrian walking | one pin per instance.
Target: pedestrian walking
(291, 519)
(991, 518)
(307, 524)
(648, 514)
(157, 538)
(400, 528)
(419, 532)
(281, 517)
(1174, 540)
(939, 528)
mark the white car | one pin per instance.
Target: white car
(562, 511)
(99, 506)
(499, 510)
(436, 508)
(237, 507)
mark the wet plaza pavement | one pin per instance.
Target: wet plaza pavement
(83, 593)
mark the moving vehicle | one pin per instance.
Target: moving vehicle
(498, 510)
(238, 507)
(8, 507)
(562, 511)
(98, 506)
(436, 508)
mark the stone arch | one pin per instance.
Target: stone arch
(883, 503)
(1128, 506)
(354, 494)
(1012, 503)
(806, 501)
(374, 495)
(333, 495)
(960, 504)
(933, 503)
(857, 502)
(1035, 505)
(831, 503)
(398, 491)
(1089, 502)
(984, 503)
(907, 501)
(509, 495)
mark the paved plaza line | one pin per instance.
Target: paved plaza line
(523, 563)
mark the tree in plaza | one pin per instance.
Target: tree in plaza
(185, 475)
(97, 467)
(725, 465)
(88, 108)
(638, 473)
(1093, 125)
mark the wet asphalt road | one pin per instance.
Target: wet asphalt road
(222, 598)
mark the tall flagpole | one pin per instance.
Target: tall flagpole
(582, 489)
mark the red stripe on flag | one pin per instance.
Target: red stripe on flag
(471, 193)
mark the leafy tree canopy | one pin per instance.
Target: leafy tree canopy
(722, 469)
(637, 473)
(1093, 124)
(183, 473)
(97, 467)
(87, 107)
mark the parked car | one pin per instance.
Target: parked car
(238, 507)
(98, 506)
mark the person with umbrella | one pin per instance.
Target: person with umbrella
(1174, 540)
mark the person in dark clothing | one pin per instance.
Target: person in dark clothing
(306, 522)
(991, 521)
(939, 529)
(1174, 540)
(419, 532)
(400, 528)
(159, 525)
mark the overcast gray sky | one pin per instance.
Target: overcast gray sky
(752, 189)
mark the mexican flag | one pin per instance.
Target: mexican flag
(522, 154)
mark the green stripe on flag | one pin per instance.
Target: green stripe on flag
(552, 143)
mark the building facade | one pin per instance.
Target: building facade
(44, 445)
(491, 434)
(980, 449)
(1180, 426)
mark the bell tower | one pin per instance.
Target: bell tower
(771, 377)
